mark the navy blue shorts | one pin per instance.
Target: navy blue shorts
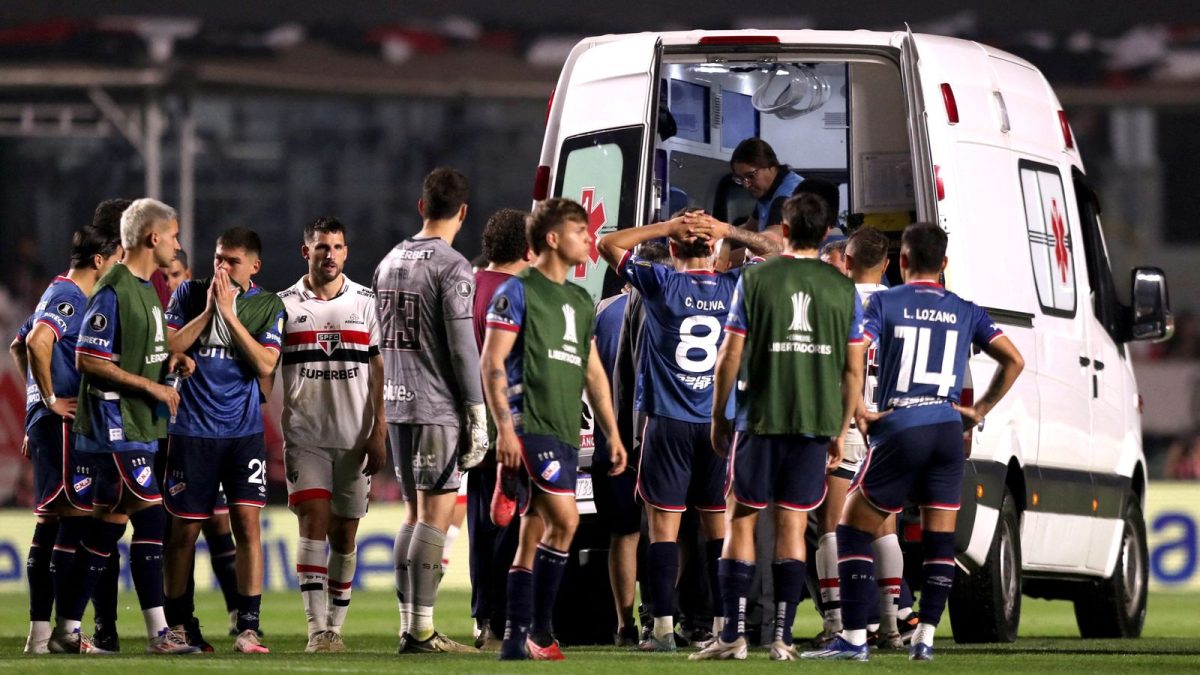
(550, 465)
(58, 468)
(197, 469)
(785, 469)
(679, 469)
(924, 462)
(119, 471)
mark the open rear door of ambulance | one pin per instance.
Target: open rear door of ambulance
(608, 109)
(924, 174)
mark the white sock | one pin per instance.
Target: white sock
(39, 632)
(156, 621)
(924, 634)
(827, 577)
(855, 636)
(421, 622)
(718, 625)
(67, 626)
(451, 535)
(664, 626)
(313, 573)
(903, 613)
(889, 568)
(341, 580)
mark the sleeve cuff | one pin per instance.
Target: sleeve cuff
(735, 330)
(504, 326)
(51, 324)
(624, 259)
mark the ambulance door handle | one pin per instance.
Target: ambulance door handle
(1085, 361)
(1099, 365)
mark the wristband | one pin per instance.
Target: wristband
(49, 400)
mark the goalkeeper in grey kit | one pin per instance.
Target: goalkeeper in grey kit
(433, 400)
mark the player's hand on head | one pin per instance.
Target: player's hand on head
(64, 407)
(721, 436)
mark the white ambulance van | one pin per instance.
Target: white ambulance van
(915, 127)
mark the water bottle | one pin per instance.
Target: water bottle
(173, 381)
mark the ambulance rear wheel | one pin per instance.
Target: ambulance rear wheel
(985, 606)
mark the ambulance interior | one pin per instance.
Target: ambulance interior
(839, 120)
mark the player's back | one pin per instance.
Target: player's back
(682, 335)
(61, 309)
(924, 335)
(421, 285)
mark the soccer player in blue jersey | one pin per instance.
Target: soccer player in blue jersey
(684, 306)
(232, 329)
(924, 335)
(122, 412)
(45, 352)
(794, 348)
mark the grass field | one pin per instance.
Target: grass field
(1048, 643)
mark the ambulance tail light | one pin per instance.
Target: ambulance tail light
(967, 400)
(951, 104)
(541, 183)
(1068, 138)
(735, 40)
(937, 180)
(549, 105)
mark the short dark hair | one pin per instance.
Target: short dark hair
(825, 190)
(925, 246)
(755, 152)
(443, 192)
(654, 251)
(504, 237)
(696, 247)
(91, 241)
(108, 214)
(181, 256)
(550, 215)
(838, 245)
(240, 237)
(869, 247)
(805, 216)
(323, 225)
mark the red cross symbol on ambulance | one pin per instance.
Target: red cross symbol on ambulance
(1061, 256)
(596, 220)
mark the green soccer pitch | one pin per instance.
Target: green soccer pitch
(1048, 644)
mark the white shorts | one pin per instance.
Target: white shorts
(853, 453)
(327, 473)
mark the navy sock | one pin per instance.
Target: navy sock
(37, 569)
(856, 575)
(906, 596)
(736, 576)
(519, 608)
(664, 569)
(66, 575)
(712, 557)
(95, 553)
(179, 611)
(549, 565)
(223, 555)
(145, 555)
(104, 597)
(247, 612)
(939, 574)
(789, 584)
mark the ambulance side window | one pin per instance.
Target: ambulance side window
(1104, 291)
(1051, 246)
